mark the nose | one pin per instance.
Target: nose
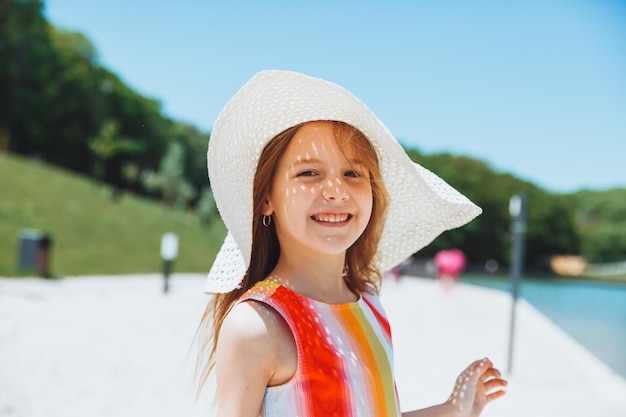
(335, 190)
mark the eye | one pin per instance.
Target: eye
(307, 173)
(354, 173)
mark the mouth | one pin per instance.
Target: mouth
(331, 217)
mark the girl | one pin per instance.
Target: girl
(318, 198)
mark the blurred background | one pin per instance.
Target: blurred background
(106, 109)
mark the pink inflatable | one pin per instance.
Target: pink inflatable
(450, 263)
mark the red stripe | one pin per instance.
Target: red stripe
(323, 371)
(382, 321)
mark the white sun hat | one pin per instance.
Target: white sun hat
(421, 205)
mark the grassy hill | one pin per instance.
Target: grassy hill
(91, 234)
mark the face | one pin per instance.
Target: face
(321, 196)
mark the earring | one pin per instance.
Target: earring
(267, 220)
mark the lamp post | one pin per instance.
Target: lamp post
(517, 210)
(169, 251)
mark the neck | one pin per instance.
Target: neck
(320, 279)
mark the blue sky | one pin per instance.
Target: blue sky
(535, 88)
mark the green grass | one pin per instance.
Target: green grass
(91, 234)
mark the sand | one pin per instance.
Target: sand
(118, 346)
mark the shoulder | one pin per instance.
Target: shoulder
(372, 300)
(255, 316)
(371, 295)
(257, 340)
(246, 358)
(255, 320)
(248, 325)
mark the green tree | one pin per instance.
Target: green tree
(601, 219)
(108, 144)
(27, 58)
(206, 209)
(54, 96)
(550, 229)
(140, 118)
(70, 113)
(195, 143)
(170, 181)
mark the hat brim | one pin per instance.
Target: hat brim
(421, 205)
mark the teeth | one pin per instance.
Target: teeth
(331, 218)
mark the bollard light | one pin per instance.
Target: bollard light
(169, 252)
(169, 246)
(515, 206)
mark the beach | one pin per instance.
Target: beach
(118, 346)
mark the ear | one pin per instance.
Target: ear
(267, 207)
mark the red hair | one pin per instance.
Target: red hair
(363, 275)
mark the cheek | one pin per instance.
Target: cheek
(366, 201)
(293, 196)
(367, 195)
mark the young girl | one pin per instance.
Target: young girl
(318, 198)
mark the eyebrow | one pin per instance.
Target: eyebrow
(305, 161)
(353, 161)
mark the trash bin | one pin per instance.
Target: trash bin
(34, 253)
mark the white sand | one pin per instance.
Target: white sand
(119, 347)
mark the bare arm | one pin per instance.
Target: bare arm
(441, 410)
(245, 361)
(479, 384)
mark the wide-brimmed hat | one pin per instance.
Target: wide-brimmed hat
(421, 204)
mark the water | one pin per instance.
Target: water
(591, 312)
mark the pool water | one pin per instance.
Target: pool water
(594, 313)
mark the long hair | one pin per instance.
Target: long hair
(363, 274)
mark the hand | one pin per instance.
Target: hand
(477, 385)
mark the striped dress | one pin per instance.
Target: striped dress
(344, 357)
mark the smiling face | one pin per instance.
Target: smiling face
(321, 195)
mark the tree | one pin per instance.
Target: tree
(195, 143)
(170, 180)
(601, 219)
(108, 144)
(207, 209)
(54, 96)
(550, 228)
(26, 55)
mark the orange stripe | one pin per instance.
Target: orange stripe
(383, 365)
(354, 323)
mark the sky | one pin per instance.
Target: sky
(534, 88)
